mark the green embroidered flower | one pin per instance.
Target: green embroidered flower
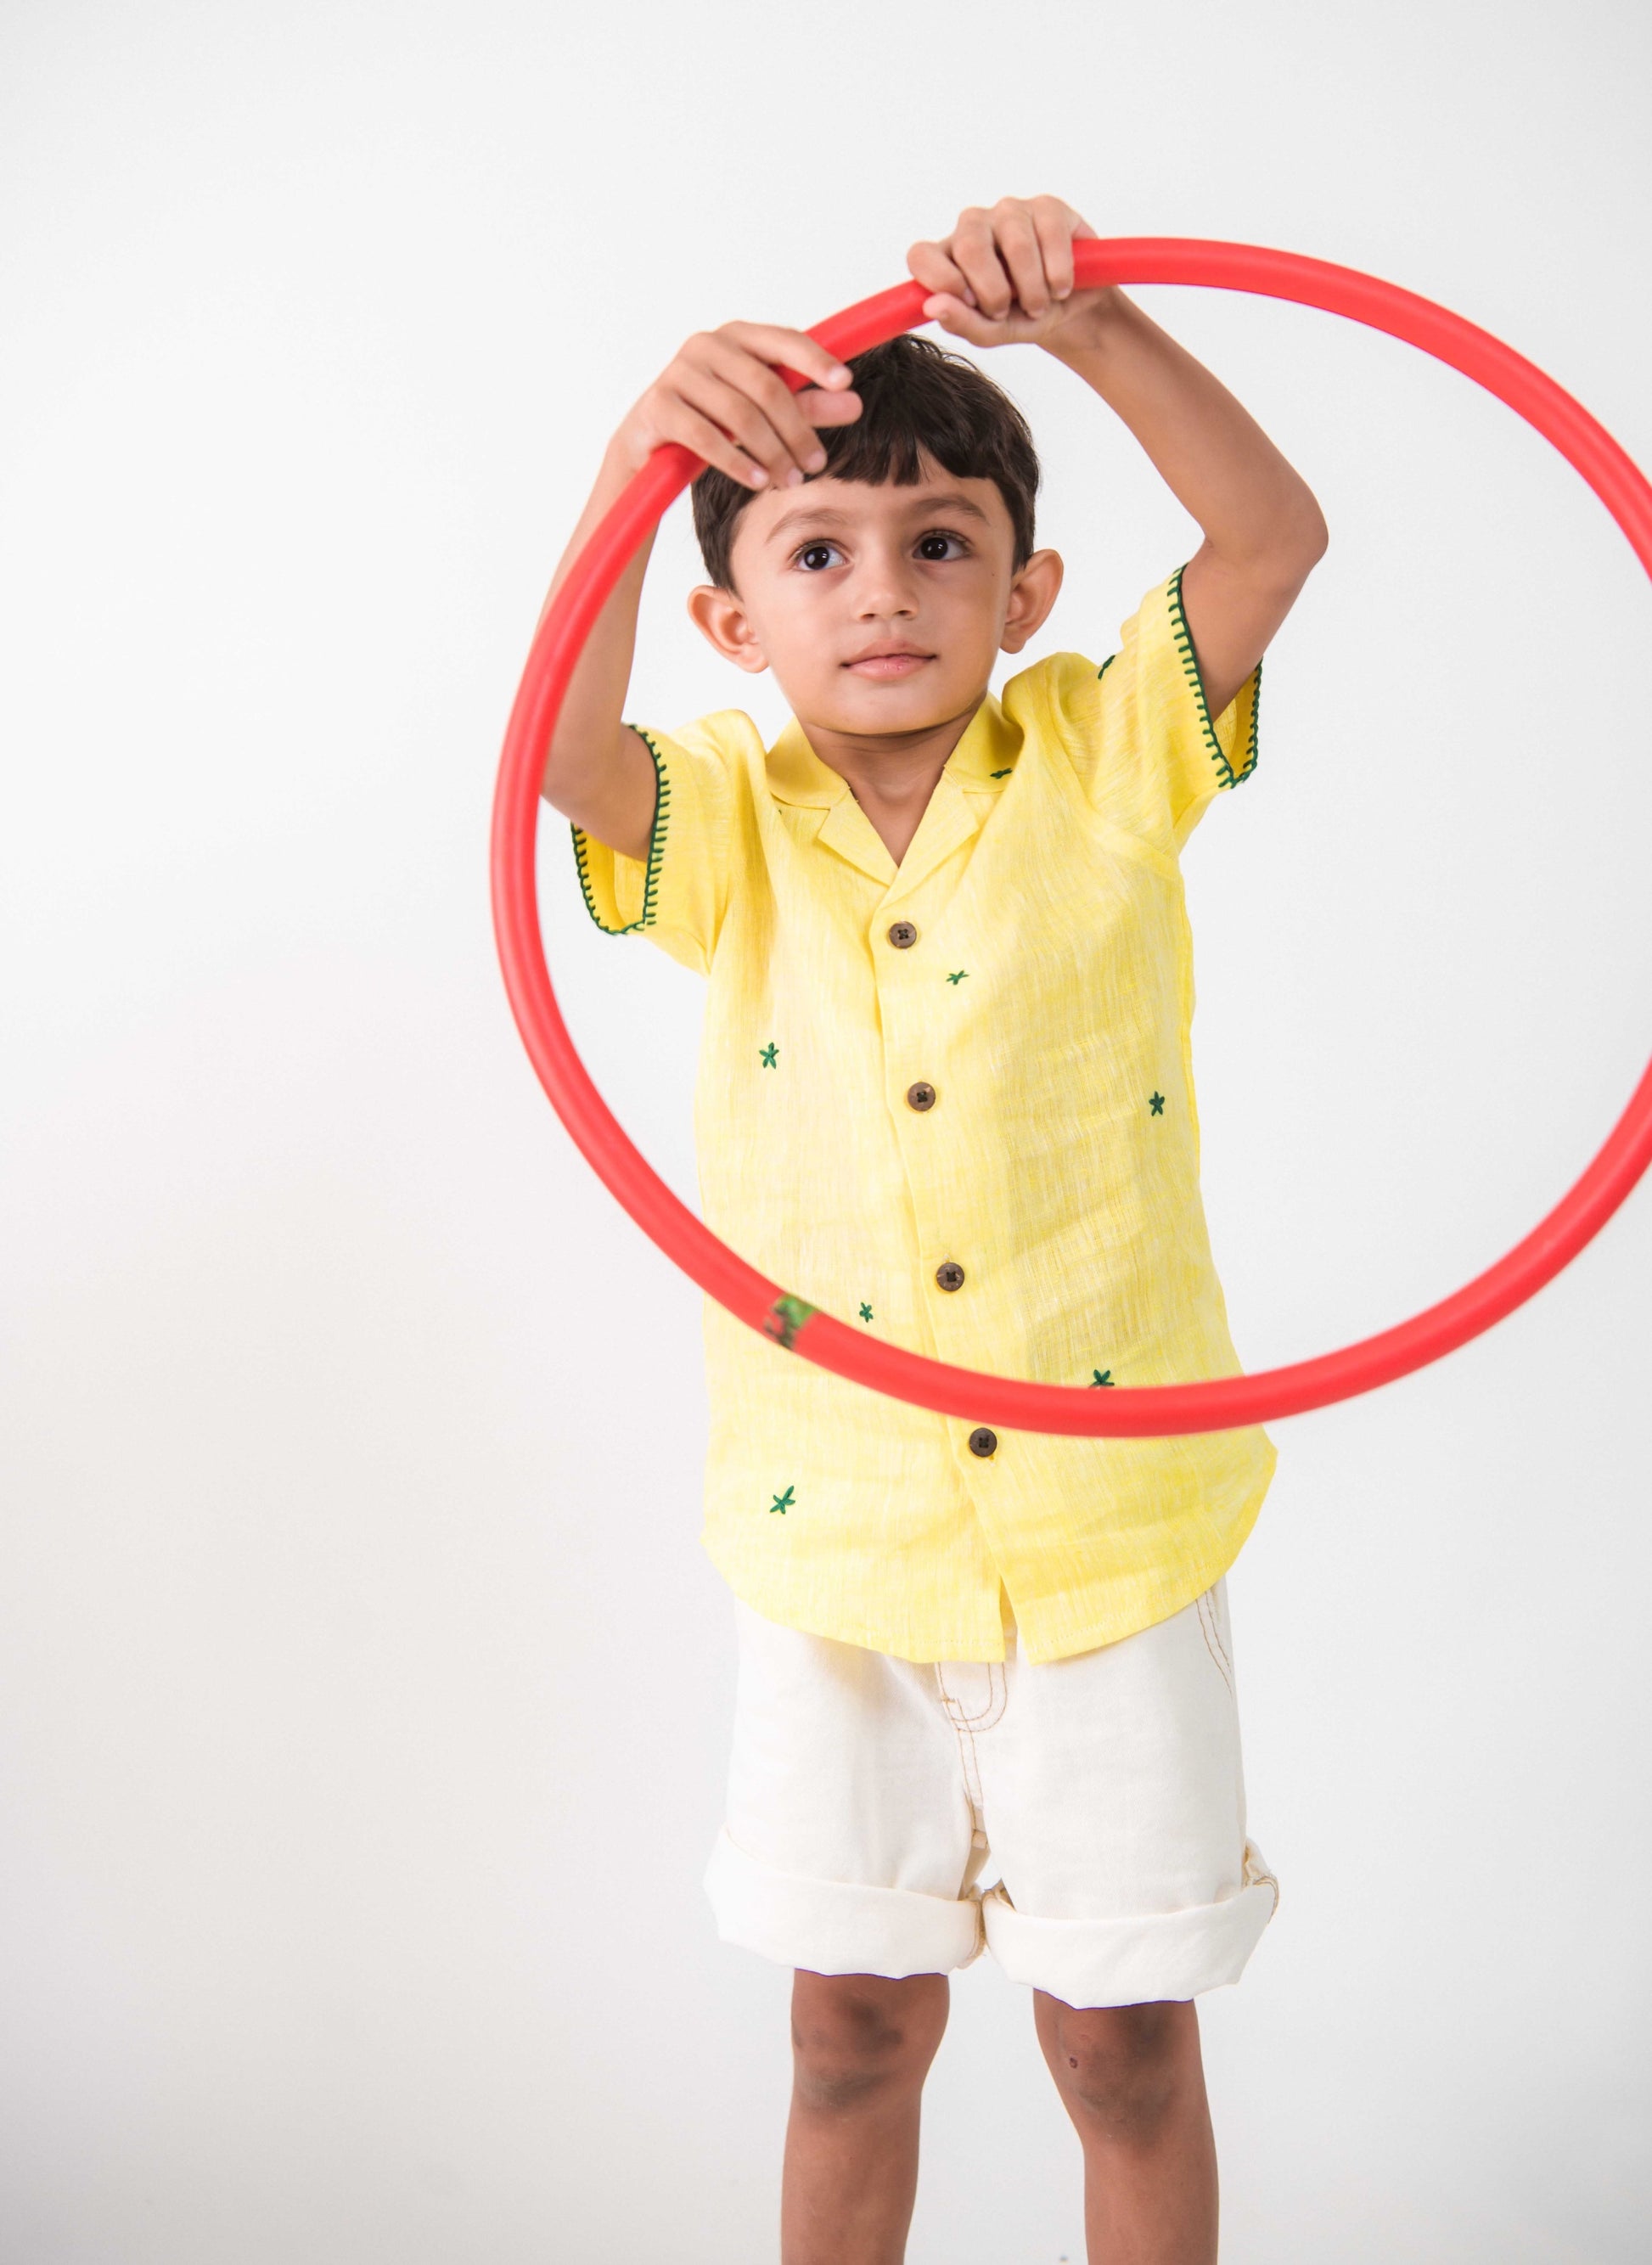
(782, 1503)
(959, 977)
(785, 1317)
(866, 1311)
(770, 1055)
(1155, 1101)
(1101, 1376)
(1003, 774)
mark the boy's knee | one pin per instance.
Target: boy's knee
(1120, 2067)
(854, 2036)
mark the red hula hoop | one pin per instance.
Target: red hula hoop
(1215, 1404)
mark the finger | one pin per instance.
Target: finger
(1054, 221)
(975, 252)
(1023, 254)
(793, 350)
(773, 398)
(744, 422)
(969, 323)
(684, 423)
(929, 265)
(829, 408)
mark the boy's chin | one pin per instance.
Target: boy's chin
(896, 713)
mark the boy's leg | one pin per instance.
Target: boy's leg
(862, 2046)
(1132, 2080)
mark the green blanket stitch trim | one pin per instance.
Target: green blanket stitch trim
(656, 846)
(1190, 661)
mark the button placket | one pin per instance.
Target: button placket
(907, 1030)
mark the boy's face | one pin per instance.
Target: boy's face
(881, 610)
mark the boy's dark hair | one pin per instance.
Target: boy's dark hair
(914, 396)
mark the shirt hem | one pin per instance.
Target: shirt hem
(1125, 1603)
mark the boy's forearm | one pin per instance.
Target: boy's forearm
(593, 710)
(721, 397)
(1257, 514)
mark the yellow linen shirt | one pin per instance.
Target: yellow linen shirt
(1029, 966)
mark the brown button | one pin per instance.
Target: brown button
(903, 935)
(949, 1274)
(983, 1442)
(921, 1096)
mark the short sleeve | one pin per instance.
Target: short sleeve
(678, 894)
(1148, 753)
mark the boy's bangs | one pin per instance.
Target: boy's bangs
(916, 400)
(886, 451)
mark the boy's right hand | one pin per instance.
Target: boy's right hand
(720, 397)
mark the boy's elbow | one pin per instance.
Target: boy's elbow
(565, 787)
(1298, 546)
(1302, 537)
(1312, 535)
(1284, 550)
(566, 776)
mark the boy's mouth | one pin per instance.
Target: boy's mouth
(887, 661)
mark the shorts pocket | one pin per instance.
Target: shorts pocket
(1211, 1616)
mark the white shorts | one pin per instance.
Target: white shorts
(867, 1794)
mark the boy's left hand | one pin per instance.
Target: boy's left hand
(1005, 277)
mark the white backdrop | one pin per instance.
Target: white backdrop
(364, 1693)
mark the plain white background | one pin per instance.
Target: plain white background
(364, 1692)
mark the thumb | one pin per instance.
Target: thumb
(967, 323)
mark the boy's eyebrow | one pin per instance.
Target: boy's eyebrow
(823, 515)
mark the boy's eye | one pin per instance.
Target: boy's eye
(816, 556)
(937, 546)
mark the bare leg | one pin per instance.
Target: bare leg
(862, 2046)
(1132, 2081)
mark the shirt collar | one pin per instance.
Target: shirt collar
(980, 760)
(973, 774)
(985, 755)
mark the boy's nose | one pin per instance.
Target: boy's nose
(883, 590)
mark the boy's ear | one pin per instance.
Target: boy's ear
(1031, 594)
(722, 621)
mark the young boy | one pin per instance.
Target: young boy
(946, 1088)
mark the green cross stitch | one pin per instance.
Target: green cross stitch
(959, 977)
(770, 1054)
(1101, 1376)
(1003, 774)
(783, 1501)
(1155, 1101)
(866, 1313)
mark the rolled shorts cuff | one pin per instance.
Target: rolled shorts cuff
(1134, 1962)
(836, 1927)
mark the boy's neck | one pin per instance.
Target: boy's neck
(891, 774)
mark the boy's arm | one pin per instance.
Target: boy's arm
(720, 397)
(1006, 276)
